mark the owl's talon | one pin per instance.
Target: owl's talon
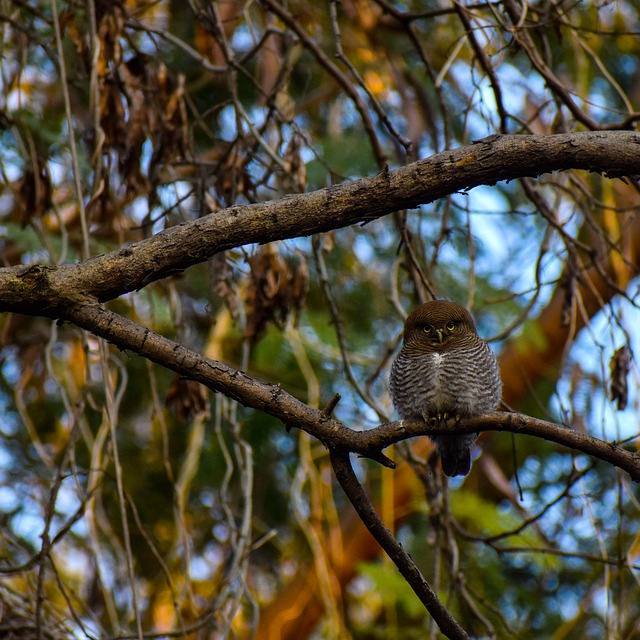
(437, 418)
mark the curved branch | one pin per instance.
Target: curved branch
(496, 158)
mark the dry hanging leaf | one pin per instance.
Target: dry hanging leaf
(221, 280)
(34, 192)
(620, 365)
(568, 283)
(186, 398)
(276, 288)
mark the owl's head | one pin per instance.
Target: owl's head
(438, 324)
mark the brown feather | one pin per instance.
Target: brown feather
(445, 368)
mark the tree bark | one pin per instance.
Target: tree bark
(38, 290)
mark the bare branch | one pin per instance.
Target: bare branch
(359, 499)
(387, 434)
(275, 401)
(614, 153)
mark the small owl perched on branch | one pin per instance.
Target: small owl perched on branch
(445, 370)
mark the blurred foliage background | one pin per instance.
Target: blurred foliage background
(134, 503)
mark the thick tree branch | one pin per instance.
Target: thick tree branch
(272, 399)
(407, 567)
(40, 290)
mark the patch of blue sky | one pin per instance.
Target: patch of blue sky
(59, 168)
(227, 123)
(172, 197)
(27, 524)
(138, 210)
(145, 42)
(599, 103)
(393, 100)
(20, 96)
(177, 195)
(221, 532)
(603, 602)
(123, 598)
(488, 224)
(10, 367)
(363, 249)
(75, 561)
(12, 160)
(199, 569)
(628, 64)
(592, 350)
(27, 521)
(482, 119)
(243, 38)
(569, 603)
(478, 118)
(307, 154)
(90, 629)
(9, 499)
(257, 116)
(516, 87)
(10, 422)
(350, 116)
(67, 503)
(591, 500)
(573, 537)
(507, 243)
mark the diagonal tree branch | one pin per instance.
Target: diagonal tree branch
(496, 158)
(275, 401)
(449, 626)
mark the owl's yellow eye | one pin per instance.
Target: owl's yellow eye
(427, 328)
(450, 326)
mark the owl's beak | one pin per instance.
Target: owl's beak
(440, 336)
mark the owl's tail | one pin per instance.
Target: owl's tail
(455, 453)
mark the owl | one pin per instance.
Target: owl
(445, 370)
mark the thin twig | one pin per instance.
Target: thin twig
(337, 323)
(72, 136)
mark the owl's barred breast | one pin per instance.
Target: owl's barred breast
(462, 381)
